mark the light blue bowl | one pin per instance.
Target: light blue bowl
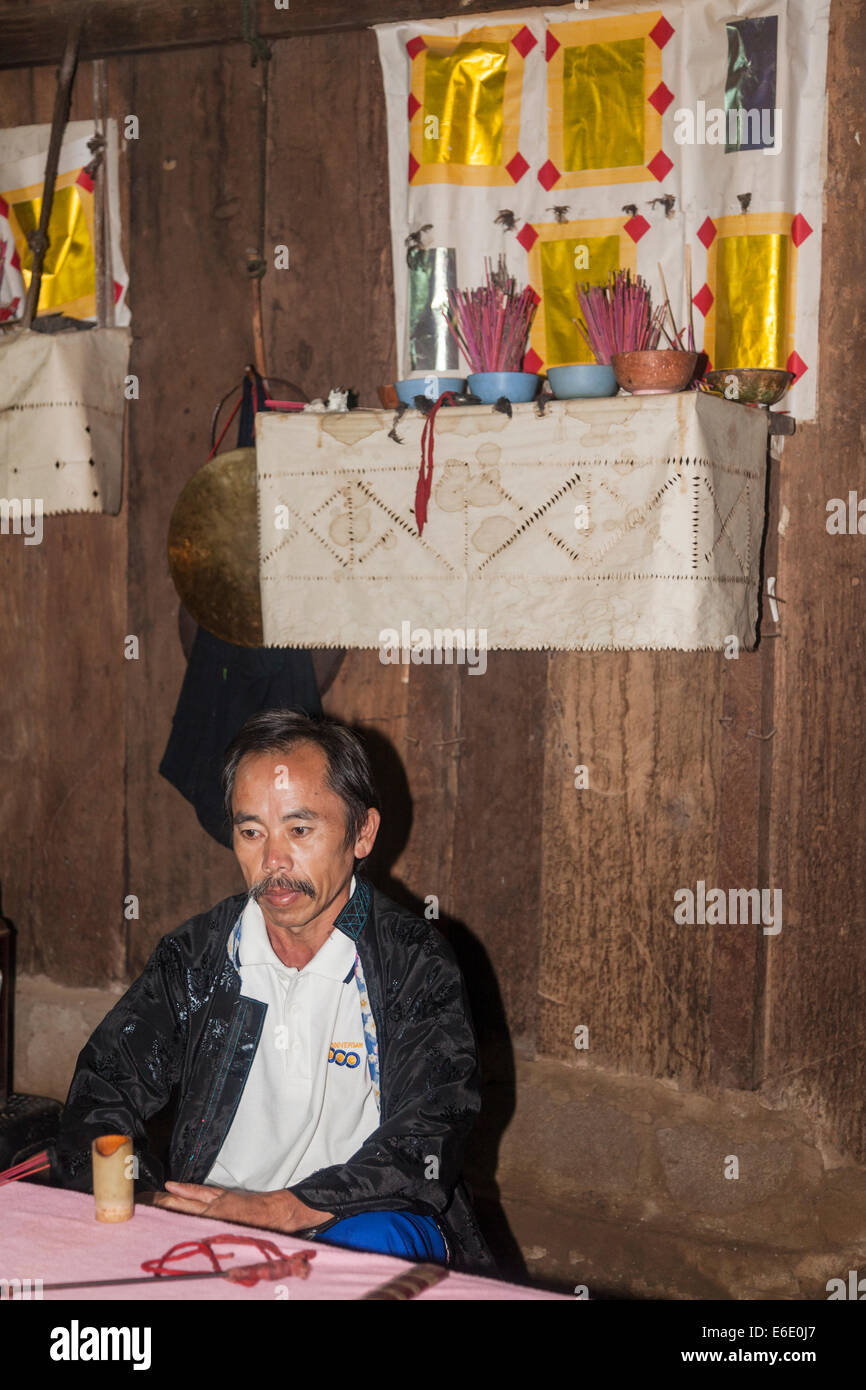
(514, 386)
(430, 386)
(582, 380)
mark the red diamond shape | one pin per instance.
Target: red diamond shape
(15, 262)
(796, 365)
(703, 300)
(524, 41)
(4, 208)
(414, 105)
(636, 227)
(800, 229)
(661, 98)
(414, 166)
(660, 166)
(414, 46)
(527, 236)
(661, 32)
(517, 167)
(118, 291)
(548, 175)
(707, 232)
(532, 362)
(85, 181)
(551, 44)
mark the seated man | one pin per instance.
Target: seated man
(314, 1037)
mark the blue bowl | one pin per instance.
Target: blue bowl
(581, 380)
(430, 386)
(514, 386)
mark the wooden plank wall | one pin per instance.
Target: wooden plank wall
(63, 622)
(559, 901)
(816, 983)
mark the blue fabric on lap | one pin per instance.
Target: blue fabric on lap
(400, 1233)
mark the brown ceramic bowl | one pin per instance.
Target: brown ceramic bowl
(750, 385)
(654, 373)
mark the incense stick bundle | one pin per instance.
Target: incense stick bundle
(37, 1163)
(618, 316)
(491, 323)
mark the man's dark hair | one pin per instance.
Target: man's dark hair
(278, 730)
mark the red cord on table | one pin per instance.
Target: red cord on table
(276, 1264)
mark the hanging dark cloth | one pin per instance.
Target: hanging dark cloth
(224, 685)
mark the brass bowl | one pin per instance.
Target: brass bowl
(750, 385)
(654, 373)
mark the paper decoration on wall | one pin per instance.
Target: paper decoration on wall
(558, 254)
(751, 81)
(750, 294)
(605, 101)
(432, 273)
(464, 106)
(575, 142)
(68, 279)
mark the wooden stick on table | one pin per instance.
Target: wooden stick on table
(408, 1285)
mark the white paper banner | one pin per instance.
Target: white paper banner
(691, 191)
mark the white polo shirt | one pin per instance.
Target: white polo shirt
(308, 1101)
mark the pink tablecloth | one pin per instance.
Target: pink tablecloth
(52, 1235)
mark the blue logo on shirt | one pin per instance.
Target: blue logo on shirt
(341, 1058)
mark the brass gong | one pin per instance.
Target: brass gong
(213, 548)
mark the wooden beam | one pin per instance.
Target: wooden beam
(32, 32)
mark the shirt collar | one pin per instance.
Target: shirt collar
(351, 921)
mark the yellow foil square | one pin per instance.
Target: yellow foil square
(565, 255)
(69, 274)
(601, 126)
(563, 341)
(752, 273)
(603, 105)
(466, 125)
(464, 93)
(751, 318)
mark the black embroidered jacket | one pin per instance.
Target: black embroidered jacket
(184, 1032)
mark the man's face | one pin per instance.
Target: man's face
(290, 835)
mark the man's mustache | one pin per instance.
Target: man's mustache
(281, 883)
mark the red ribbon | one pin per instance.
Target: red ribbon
(276, 1264)
(425, 471)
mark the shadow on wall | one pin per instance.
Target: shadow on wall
(498, 1096)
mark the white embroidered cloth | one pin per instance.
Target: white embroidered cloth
(61, 418)
(625, 523)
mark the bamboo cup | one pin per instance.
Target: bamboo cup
(113, 1186)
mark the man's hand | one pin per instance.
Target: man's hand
(273, 1211)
